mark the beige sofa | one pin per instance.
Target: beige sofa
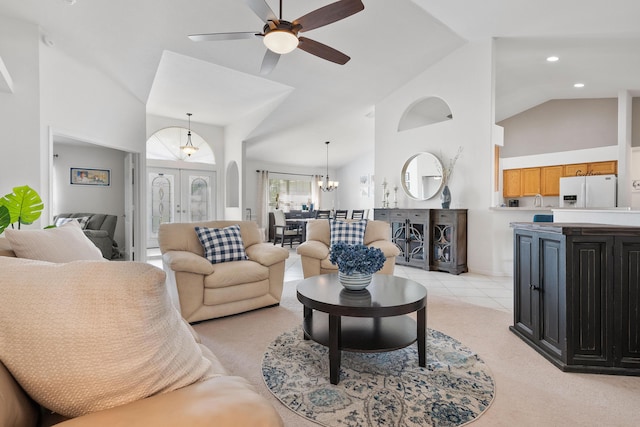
(207, 291)
(221, 400)
(314, 252)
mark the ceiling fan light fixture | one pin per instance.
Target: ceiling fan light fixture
(280, 41)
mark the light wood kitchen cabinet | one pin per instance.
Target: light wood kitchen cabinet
(576, 169)
(530, 181)
(512, 183)
(550, 180)
(546, 180)
(595, 168)
(603, 168)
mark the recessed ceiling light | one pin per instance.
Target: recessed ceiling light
(552, 59)
(70, 2)
(578, 85)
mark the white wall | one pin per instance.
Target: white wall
(464, 80)
(69, 198)
(20, 111)
(77, 99)
(349, 192)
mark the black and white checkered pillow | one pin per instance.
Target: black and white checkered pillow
(222, 244)
(351, 233)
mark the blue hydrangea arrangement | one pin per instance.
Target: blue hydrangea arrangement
(356, 258)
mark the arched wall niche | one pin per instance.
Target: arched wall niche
(424, 112)
(233, 185)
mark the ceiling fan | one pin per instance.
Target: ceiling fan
(281, 36)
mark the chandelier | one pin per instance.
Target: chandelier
(326, 185)
(189, 148)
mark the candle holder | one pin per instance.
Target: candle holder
(395, 197)
(385, 194)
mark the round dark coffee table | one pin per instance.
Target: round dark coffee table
(372, 320)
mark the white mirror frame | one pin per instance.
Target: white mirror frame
(422, 176)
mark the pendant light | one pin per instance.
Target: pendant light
(189, 148)
(326, 185)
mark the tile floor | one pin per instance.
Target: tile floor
(487, 291)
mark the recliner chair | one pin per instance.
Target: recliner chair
(100, 229)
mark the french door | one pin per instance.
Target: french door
(178, 195)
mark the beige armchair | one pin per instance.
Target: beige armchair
(208, 291)
(314, 253)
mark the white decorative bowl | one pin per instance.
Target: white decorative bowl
(355, 281)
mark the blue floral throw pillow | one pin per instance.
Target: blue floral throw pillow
(222, 244)
(351, 233)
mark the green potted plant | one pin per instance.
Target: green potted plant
(22, 206)
(356, 264)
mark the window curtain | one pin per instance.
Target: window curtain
(263, 202)
(315, 191)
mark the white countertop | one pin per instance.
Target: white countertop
(614, 216)
(604, 210)
(522, 209)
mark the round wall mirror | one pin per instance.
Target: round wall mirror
(422, 176)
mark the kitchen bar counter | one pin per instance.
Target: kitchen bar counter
(576, 290)
(523, 209)
(616, 216)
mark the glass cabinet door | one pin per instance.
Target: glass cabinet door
(399, 237)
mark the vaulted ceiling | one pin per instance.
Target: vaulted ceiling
(143, 45)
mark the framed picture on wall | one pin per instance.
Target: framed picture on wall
(364, 186)
(84, 176)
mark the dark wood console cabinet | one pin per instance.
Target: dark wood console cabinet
(577, 295)
(431, 239)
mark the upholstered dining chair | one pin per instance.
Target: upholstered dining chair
(357, 214)
(321, 214)
(340, 214)
(284, 231)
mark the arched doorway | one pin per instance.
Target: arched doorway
(180, 188)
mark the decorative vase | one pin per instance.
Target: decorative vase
(445, 197)
(355, 281)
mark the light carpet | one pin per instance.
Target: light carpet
(530, 391)
(380, 389)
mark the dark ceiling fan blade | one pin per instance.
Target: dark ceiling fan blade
(262, 9)
(327, 14)
(221, 36)
(323, 51)
(269, 62)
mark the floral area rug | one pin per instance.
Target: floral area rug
(380, 389)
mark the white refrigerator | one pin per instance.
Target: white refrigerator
(593, 191)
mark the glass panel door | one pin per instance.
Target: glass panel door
(178, 195)
(197, 204)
